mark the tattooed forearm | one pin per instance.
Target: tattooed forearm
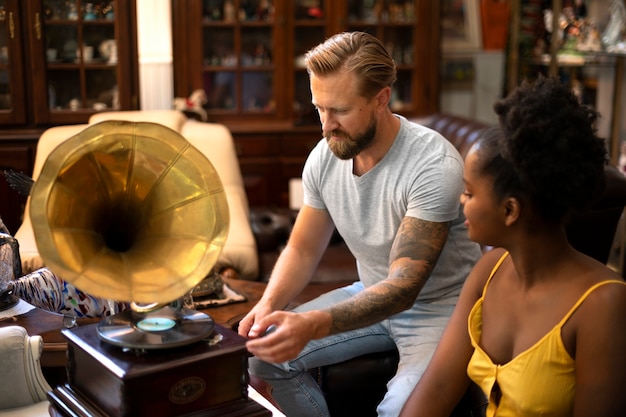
(419, 240)
(370, 306)
(413, 256)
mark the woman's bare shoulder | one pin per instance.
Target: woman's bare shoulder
(483, 269)
(606, 299)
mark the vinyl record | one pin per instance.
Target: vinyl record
(161, 329)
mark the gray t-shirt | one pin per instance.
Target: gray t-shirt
(420, 176)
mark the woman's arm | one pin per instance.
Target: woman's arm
(445, 380)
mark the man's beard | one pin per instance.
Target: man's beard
(349, 146)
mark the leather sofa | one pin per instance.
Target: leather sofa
(591, 232)
(354, 387)
(239, 256)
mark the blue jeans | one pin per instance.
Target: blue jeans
(414, 332)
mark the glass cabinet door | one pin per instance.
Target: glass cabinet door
(393, 22)
(410, 31)
(237, 56)
(311, 25)
(80, 55)
(12, 102)
(77, 43)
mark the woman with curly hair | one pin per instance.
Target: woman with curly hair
(539, 326)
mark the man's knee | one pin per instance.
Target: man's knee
(398, 391)
(258, 367)
(266, 370)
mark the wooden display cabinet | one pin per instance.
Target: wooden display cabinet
(12, 71)
(247, 55)
(63, 60)
(88, 56)
(60, 62)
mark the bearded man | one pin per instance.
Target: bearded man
(391, 188)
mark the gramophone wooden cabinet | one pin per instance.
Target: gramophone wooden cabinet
(200, 379)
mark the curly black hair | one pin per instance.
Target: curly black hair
(545, 150)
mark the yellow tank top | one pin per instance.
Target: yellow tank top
(538, 382)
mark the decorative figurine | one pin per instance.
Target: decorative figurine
(193, 105)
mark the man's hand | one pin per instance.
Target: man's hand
(292, 332)
(247, 324)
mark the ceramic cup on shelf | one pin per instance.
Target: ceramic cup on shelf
(51, 54)
(74, 104)
(87, 53)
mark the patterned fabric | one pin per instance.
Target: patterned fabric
(43, 289)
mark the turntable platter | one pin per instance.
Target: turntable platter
(161, 329)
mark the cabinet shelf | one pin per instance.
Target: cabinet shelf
(363, 23)
(235, 24)
(256, 68)
(54, 65)
(310, 23)
(74, 22)
(251, 68)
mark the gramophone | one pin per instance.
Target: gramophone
(131, 211)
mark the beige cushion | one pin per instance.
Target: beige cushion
(213, 140)
(240, 244)
(40, 409)
(50, 139)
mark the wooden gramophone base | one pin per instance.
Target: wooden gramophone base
(191, 381)
(67, 402)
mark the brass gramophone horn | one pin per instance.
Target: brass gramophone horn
(129, 211)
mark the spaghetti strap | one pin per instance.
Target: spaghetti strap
(585, 295)
(493, 271)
